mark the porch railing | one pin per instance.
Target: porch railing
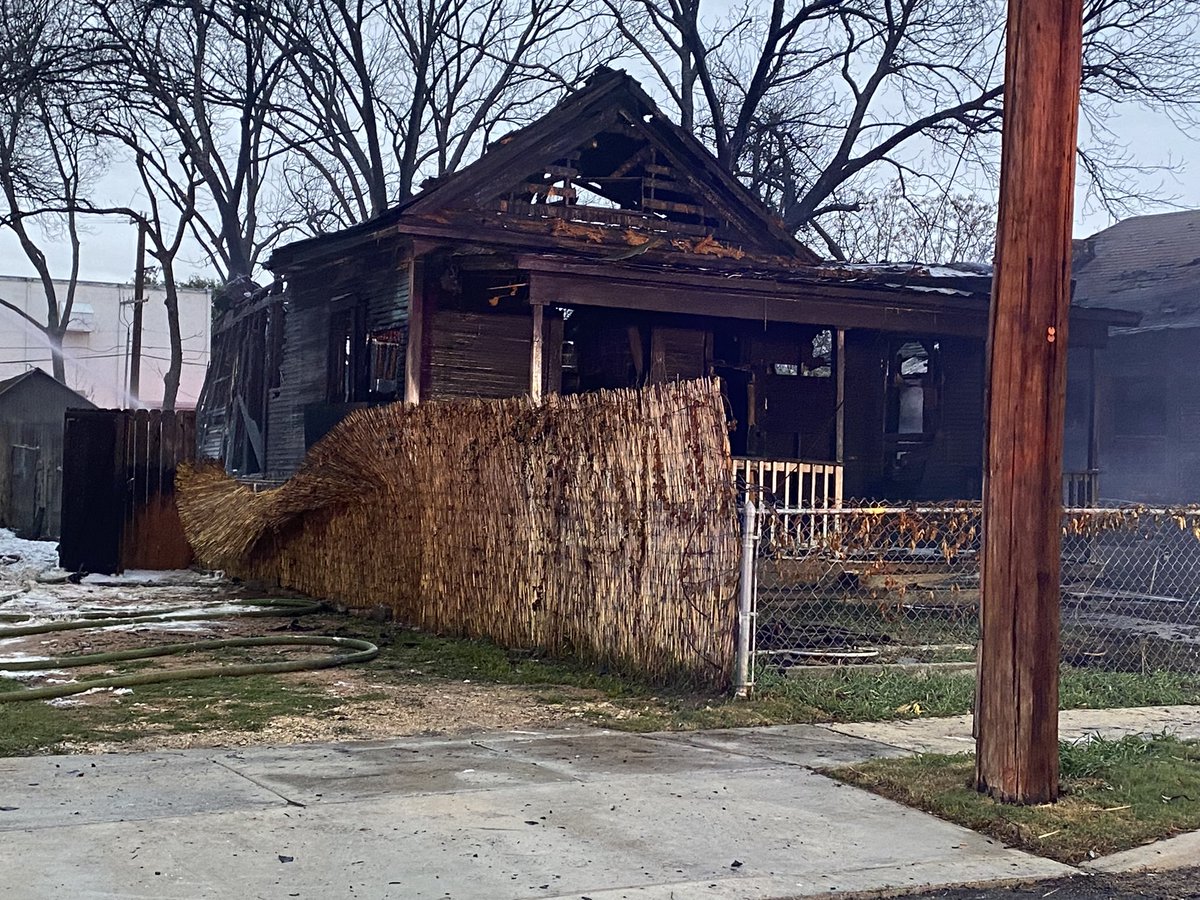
(1081, 489)
(791, 483)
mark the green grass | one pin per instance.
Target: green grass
(412, 654)
(1117, 794)
(848, 694)
(231, 704)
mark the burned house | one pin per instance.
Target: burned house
(1148, 415)
(602, 246)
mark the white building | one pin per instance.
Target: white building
(99, 338)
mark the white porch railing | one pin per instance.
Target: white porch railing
(1081, 488)
(791, 483)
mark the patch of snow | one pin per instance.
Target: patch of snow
(38, 673)
(21, 559)
(163, 626)
(149, 577)
(929, 289)
(74, 700)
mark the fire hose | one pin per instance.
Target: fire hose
(355, 649)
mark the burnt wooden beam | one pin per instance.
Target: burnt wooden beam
(570, 290)
(839, 356)
(536, 361)
(1016, 710)
(630, 164)
(690, 209)
(844, 304)
(414, 350)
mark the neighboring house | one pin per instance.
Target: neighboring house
(97, 345)
(603, 246)
(1147, 426)
(32, 406)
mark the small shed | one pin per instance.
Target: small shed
(32, 410)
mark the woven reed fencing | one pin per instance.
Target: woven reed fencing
(599, 526)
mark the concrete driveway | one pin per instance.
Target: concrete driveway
(728, 815)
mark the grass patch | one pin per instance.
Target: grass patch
(184, 707)
(416, 654)
(1117, 794)
(867, 695)
(27, 728)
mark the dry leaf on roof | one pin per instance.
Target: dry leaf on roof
(590, 233)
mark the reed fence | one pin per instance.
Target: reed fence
(599, 526)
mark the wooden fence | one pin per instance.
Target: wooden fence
(598, 526)
(118, 507)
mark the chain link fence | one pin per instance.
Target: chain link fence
(879, 582)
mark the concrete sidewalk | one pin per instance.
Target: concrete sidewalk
(728, 815)
(952, 734)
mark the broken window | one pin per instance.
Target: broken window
(347, 371)
(913, 407)
(818, 356)
(385, 352)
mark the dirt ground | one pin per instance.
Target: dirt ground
(1182, 884)
(439, 708)
(373, 704)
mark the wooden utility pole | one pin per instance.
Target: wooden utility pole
(139, 300)
(1016, 711)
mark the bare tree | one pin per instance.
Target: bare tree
(170, 186)
(380, 93)
(816, 99)
(894, 225)
(199, 76)
(45, 163)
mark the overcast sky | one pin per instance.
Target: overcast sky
(110, 244)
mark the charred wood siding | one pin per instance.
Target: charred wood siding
(302, 380)
(479, 355)
(865, 374)
(679, 354)
(385, 292)
(379, 288)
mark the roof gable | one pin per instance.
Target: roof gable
(38, 379)
(608, 153)
(605, 155)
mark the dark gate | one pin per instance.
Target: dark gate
(118, 507)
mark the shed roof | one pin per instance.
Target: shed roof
(1148, 265)
(34, 377)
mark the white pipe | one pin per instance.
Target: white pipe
(745, 598)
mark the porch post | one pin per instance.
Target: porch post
(414, 353)
(1093, 451)
(839, 471)
(535, 354)
(839, 355)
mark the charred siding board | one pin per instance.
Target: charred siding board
(865, 401)
(476, 355)
(679, 353)
(385, 291)
(302, 374)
